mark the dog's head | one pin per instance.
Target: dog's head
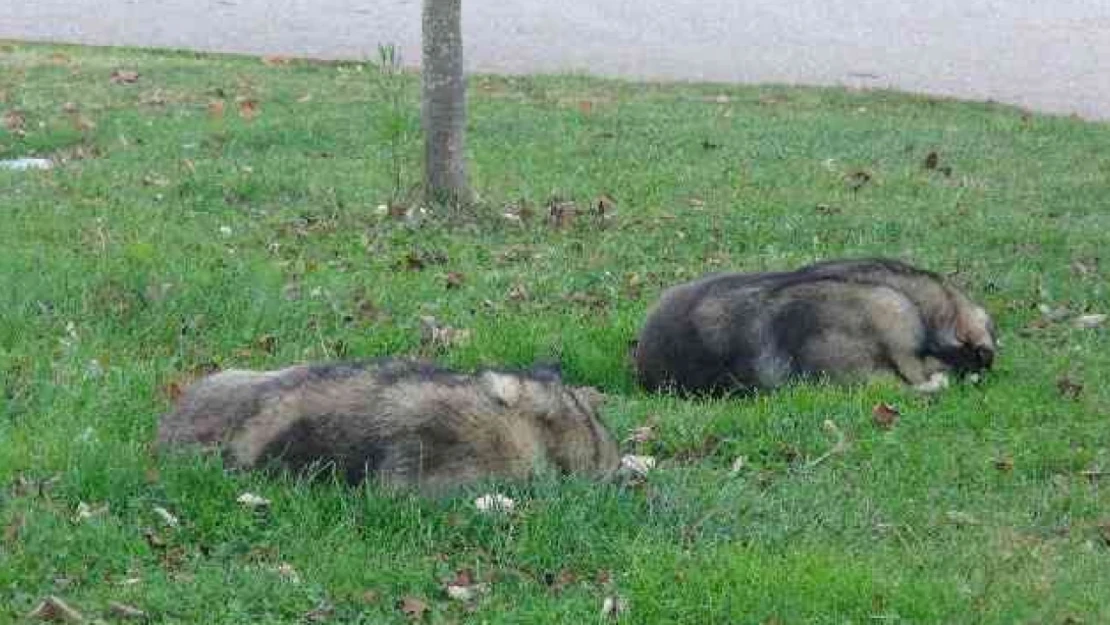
(976, 341)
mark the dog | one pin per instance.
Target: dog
(404, 423)
(842, 320)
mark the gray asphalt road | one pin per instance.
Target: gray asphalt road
(1050, 55)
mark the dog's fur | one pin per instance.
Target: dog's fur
(842, 320)
(402, 422)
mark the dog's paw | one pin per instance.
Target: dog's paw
(936, 383)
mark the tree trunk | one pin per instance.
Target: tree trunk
(444, 104)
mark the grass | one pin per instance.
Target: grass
(181, 234)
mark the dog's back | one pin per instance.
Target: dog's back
(729, 332)
(401, 421)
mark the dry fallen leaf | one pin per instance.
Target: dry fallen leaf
(288, 573)
(463, 593)
(884, 416)
(167, 518)
(613, 607)
(1068, 388)
(85, 511)
(494, 503)
(1004, 464)
(54, 609)
(642, 434)
(14, 527)
(1085, 267)
(120, 610)
(369, 597)
(518, 292)
(412, 607)
(957, 517)
(274, 60)
(738, 465)
(637, 466)
(455, 279)
(216, 109)
(1104, 532)
(323, 612)
(15, 121)
(124, 77)
(561, 214)
(251, 500)
(248, 109)
(436, 336)
(857, 179)
(1089, 322)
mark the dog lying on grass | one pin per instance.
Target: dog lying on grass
(401, 422)
(840, 320)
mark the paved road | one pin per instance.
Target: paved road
(1051, 55)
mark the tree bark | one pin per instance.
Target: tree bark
(444, 104)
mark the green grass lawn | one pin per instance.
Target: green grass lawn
(223, 211)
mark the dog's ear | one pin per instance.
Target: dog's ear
(973, 327)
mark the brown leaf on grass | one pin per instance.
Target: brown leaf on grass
(561, 213)
(153, 539)
(1085, 267)
(518, 293)
(439, 337)
(1068, 388)
(613, 607)
(884, 416)
(123, 77)
(1104, 532)
(82, 123)
(267, 343)
(857, 180)
(216, 109)
(15, 121)
(605, 209)
(412, 607)
(642, 434)
(455, 279)
(275, 60)
(248, 108)
(585, 107)
(55, 610)
(320, 614)
(126, 612)
(369, 597)
(14, 528)
(152, 475)
(1089, 322)
(463, 577)
(1004, 464)
(932, 160)
(413, 261)
(157, 97)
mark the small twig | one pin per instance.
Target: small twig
(838, 448)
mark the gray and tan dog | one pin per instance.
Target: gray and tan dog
(402, 422)
(842, 320)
